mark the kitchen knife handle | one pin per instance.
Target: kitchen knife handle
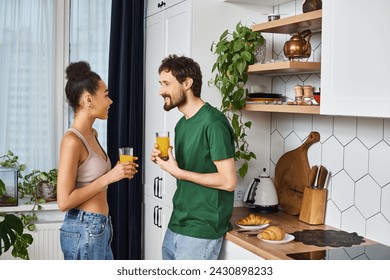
(322, 174)
(313, 176)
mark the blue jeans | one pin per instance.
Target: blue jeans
(180, 247)
(86, 236)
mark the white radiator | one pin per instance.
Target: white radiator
(46, 244)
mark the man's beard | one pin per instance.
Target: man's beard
(181, 100)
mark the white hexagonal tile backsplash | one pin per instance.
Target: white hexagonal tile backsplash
(359, 193)
(356, 152)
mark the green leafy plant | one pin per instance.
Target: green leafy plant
(12, 235)
(11, 160)
(235, 52)
(12, 227)
(34, 184)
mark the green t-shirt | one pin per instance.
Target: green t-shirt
(200, 211)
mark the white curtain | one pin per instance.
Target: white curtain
(28, 117)
(27, 95)
(90, 41)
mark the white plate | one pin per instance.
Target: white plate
(253, 227)
(287, 238)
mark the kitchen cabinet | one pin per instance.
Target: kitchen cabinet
(156, 6)
(232, 251)
(167, 32)
(263, 2)
(156, 221)
(355, 78)
(288, 25)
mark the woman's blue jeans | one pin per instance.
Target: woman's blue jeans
(86, 236)
(180, 247)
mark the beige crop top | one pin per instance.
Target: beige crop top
(93, 167)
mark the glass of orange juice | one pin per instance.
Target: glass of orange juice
(125, 154)
(162, 138)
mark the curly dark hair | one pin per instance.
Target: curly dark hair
(183, 67)
(80, 78)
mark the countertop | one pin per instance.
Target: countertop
(269, 251)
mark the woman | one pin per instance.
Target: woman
(84, 171)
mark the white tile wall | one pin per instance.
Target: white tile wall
(359, 189)
(355, 150)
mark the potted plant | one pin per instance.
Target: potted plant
(41, 186)
(12, 227)
(235, 52)
(8, 166)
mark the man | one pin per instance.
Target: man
(204, 166)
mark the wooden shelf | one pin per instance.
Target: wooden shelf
(284, 68)
(296, 109)
(293, 24)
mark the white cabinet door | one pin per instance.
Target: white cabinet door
(154, 113)
(231, 251)
(152, 231)
(167, 32)
(156, 218)
(177, 41)
(355, 60)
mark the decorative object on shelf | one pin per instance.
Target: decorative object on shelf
(8, 186)
(307, 94)
(317, 96)
(235, 52)
(41, 186)
(272, 17)
(10, 172)
(298, 94)
(259, 52)
(311, 5)
(298, 46)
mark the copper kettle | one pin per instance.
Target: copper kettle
(298, 46)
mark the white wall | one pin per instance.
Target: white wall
(210, 19)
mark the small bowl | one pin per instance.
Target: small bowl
(272, 17)
(317, 97)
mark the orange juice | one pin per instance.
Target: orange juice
(125, 158)
(125, 154)
(163, 145)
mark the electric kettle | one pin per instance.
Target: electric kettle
(261, 195)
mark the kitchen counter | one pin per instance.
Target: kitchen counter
(269, 251)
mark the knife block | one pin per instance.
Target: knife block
(313, 206)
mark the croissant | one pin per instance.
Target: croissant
(272, 233)
(253, 220)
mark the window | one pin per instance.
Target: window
(34, 50)
(89, 41)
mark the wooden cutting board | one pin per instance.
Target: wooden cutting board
(292, 175)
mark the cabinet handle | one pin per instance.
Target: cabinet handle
(159, 217)
(155, 185)
(159, 191)
(155, 215)
(160, 5)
